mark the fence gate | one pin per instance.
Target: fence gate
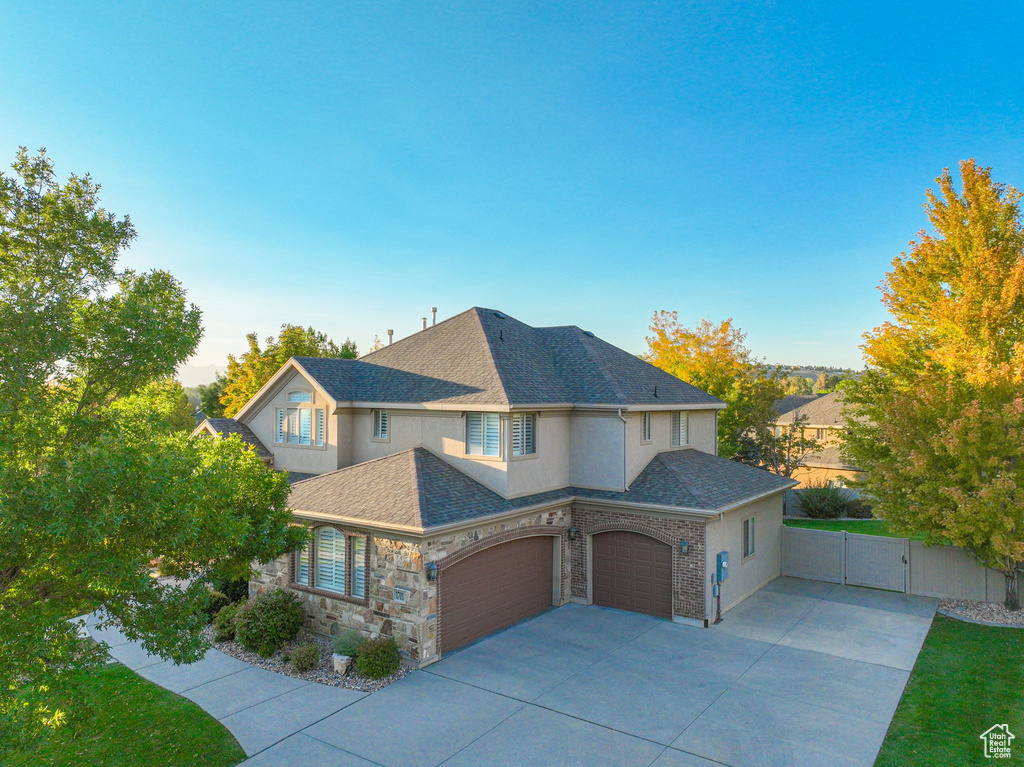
(875, 561)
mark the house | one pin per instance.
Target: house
(821, 419)
(482, 470)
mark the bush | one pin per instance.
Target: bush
(306, 656)
(224, 622)
(215, 602)
(823, 500)
(268, 621)
(348, 643)
(236, 590)
(376, 658)
(858, 508)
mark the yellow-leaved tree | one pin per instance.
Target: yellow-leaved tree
(942, 444)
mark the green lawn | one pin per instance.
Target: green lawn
(966, 679)
(118, 719)
(862, 526)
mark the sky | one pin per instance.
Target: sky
(349, 165)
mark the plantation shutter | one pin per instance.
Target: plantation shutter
(380, 424)
(359, 570)
(279, 419)
(330, 559)
(293, 426)
(474, 433)
(680, 422)
(523, 426)
(319, 426)
(492, 434)
(305, 425)
(302, 569)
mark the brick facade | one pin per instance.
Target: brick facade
(415, 623)
(687, 571)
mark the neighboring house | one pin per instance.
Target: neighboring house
(483, 470)
(821, 419)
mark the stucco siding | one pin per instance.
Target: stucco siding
(726, 534)
(548, 469)
(596, 451)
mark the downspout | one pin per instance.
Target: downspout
(624, 437)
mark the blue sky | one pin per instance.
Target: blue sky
(349, 165)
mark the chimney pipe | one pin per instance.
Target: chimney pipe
(391, 334)
(433, 314)
(424, 323)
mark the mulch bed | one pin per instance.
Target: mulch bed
(983, 612)
(324, 673)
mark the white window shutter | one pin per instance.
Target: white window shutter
(293, 426)
(359, 566)
(492, 434)
(320, 423)
(305, 426)
(302, 570)
(474, 433)
(330, 559)
(279, 431)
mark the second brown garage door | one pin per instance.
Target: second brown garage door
(632, 572)
(494, 588)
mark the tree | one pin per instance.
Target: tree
(941, 433)
(96, 478)
(247, 374)
(209, 397)
(796, 385)
(712, 357)
(785, 451)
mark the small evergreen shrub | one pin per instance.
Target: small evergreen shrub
(236, 590)
(823, 500)
(306, 656)
(858, 508)
(378, 657)
(215, 602)
(224, 622)
(348, 643)
(268, 621)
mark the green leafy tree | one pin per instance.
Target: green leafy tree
(941, 433)
(713, 357)
(96, 478)
(795, 384)
(209, 397)
(247, 374)
(783, 452)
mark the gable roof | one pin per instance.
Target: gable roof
(793, 401)
(418, 490)
(484, 357)
(824, 411)
(227, 426)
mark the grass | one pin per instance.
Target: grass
(966, 679)
(118, 719)
(862, 526)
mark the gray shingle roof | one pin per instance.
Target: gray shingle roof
(227, 426)
(484, 357)
(824, 411)
(829, 457)
(417, 489)
(791, 401)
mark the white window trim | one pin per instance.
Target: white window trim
(318, 426)
(683, 417)
(511, 432)
(374, 434)
(646, 428)
(743, 538)
(502, 435)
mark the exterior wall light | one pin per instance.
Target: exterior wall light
(684, 546)
(431, 568)
(573, 532)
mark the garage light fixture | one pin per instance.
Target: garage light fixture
(573, 532)
(431, 569)
(684, 546)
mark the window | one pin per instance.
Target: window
(299, 425)
(300, 396)
(680, 428)
(645, 427)
(820, 433)
(483, 434)
(748, 537)
(381, 425)
(524, 428)
(333, 561)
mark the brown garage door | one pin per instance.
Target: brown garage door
(632, 572)
(494, 588)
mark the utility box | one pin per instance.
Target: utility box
(722, 566)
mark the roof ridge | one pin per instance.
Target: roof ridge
(585, 341)
(417, 333)
(703, 499)
(490, 353)
(417, 472)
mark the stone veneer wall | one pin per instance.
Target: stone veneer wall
(687, 571)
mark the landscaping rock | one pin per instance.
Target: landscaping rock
(984, 612)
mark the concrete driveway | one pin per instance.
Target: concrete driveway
(801, 673)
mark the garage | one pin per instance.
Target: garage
(495, 588)
(632, 572)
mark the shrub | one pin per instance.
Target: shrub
(823, 500)
(306, 656)
(348, 643)
(378, 657)
(215, 602)
(858, 508)
(268, 621)
(236, 590)
(224, 622)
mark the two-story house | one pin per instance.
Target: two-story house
(482, 470)
(818, 418)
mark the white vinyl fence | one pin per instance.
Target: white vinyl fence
(896, 564)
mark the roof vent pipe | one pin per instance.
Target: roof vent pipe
(424, 323)
(391, 334)
(433, 315)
